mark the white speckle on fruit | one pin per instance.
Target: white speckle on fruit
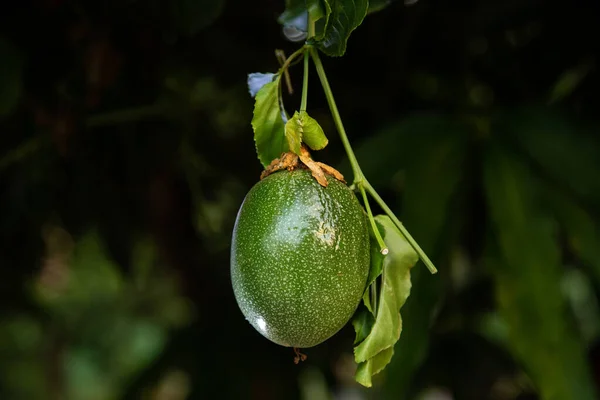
(326, 234)
(262, 324)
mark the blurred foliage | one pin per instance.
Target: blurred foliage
(11, 77)
(126, 149)
(94, 329)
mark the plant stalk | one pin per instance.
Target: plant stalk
(305, 83)
(291, 58)
(359, 179)
(401, 227)
(374, 297)
(311, 27)
(382, 247)
(358, 175)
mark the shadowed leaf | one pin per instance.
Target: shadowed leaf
(526, 263)
(267, 122)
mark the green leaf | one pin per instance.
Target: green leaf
(344, 17)
(303, 128)
(582, 230)
(10, 77)
(316, 9)
(292, 9)
(378, 5)
(375, 269)
(425, 155)
(363, 323)
(526, 262)
(191, 16)
(564, 150)
(395, 289)
(569, 81)
(93, 274)
(376, 260)
(293, 133)
(322, 23)
(267, 123)
(366, 370)
(312, 133)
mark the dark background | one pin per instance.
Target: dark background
(126, 150)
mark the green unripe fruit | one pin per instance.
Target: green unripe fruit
(299, 257)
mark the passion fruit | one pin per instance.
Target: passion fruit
(299, 257)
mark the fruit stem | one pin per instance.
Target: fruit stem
(305, 83)
(382, 247)
(400, 226)
(359, 179)
(311, 27)
(358, 175)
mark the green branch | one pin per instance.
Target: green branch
(358, 175)
(291, 58)
(401, 227)
(382, 247)
(359, 179)
(305, 83)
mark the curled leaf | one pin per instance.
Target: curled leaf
(363, 323)
(315, 169)
(372, 366)
(312, 133)
(293, 133)
(331, 171)
(376, 350)
(303, 128)
(528, 280)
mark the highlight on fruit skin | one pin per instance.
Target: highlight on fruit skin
(299, 257)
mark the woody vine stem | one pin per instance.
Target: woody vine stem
(360, 182)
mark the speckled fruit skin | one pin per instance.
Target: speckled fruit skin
(299, 257)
